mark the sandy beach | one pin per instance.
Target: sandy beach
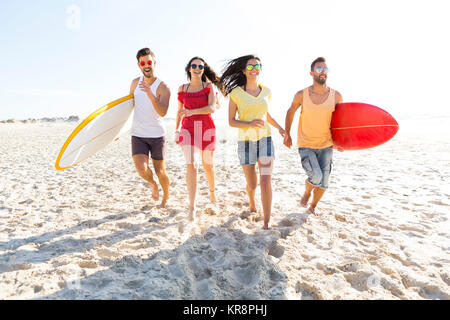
(93, 231)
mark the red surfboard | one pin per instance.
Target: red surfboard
(356, 126)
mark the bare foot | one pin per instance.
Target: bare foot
(155, 192)
(304, 200)
(312, 209)
(163, 203)
(258, 218)
(266, 227)
(192, 214)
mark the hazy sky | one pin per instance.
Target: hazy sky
(60, 58)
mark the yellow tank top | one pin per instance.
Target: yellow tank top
(314, 123)
(250, 108)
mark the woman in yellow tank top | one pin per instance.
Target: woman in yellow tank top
(250, 101)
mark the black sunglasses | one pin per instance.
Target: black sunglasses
(200, 66)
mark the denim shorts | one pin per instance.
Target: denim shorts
(250, 151)
(317, 164)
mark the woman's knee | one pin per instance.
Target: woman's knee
(252, 186)
(192, 166)
(265, 181)
(208, 167)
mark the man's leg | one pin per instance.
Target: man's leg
(312, 168)
(324, 158)
(317, 195)
(308, 188)
(160, 171)
(141, 164)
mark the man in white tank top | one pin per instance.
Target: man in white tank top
(151, 101)
(314, 140)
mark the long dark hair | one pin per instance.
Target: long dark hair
(233, 75)
(208, 73)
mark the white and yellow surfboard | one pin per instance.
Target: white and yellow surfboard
(95, 132)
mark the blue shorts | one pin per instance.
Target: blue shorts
(317, 164)
(250, 151)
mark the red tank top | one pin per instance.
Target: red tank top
(196, 100)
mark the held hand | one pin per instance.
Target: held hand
(144, 86)
(177, 137)
(287, 141)
(282, 132)
(185, 113)
(257, 123)
(338, 148)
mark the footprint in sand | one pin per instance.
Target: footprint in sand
(124, 225)
(340, 218)
(439, 203)
(445, 277)
(349, 267)
(386, 227)
(412, 228)
(307, 291)
(365, 239)
(276, 276)
(276, 251)
(134, 284)
(87, 264)
(245, 275)
(107, 253)
(210, 211)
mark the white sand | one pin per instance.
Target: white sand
(93, 232)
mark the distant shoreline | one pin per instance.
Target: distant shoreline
(43, 120)
(63, 120)
(75, 118)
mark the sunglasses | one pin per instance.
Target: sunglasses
(149, 62)
(255, 66)
(200, 66)
(322, 69)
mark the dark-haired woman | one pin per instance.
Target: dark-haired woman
(250, 101)
(196, 103)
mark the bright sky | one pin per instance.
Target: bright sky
(61, 58)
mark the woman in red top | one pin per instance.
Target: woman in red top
(196, 102)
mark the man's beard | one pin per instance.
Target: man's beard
(320, 81)
(148, 74)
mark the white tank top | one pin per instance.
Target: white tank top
(147, 123)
